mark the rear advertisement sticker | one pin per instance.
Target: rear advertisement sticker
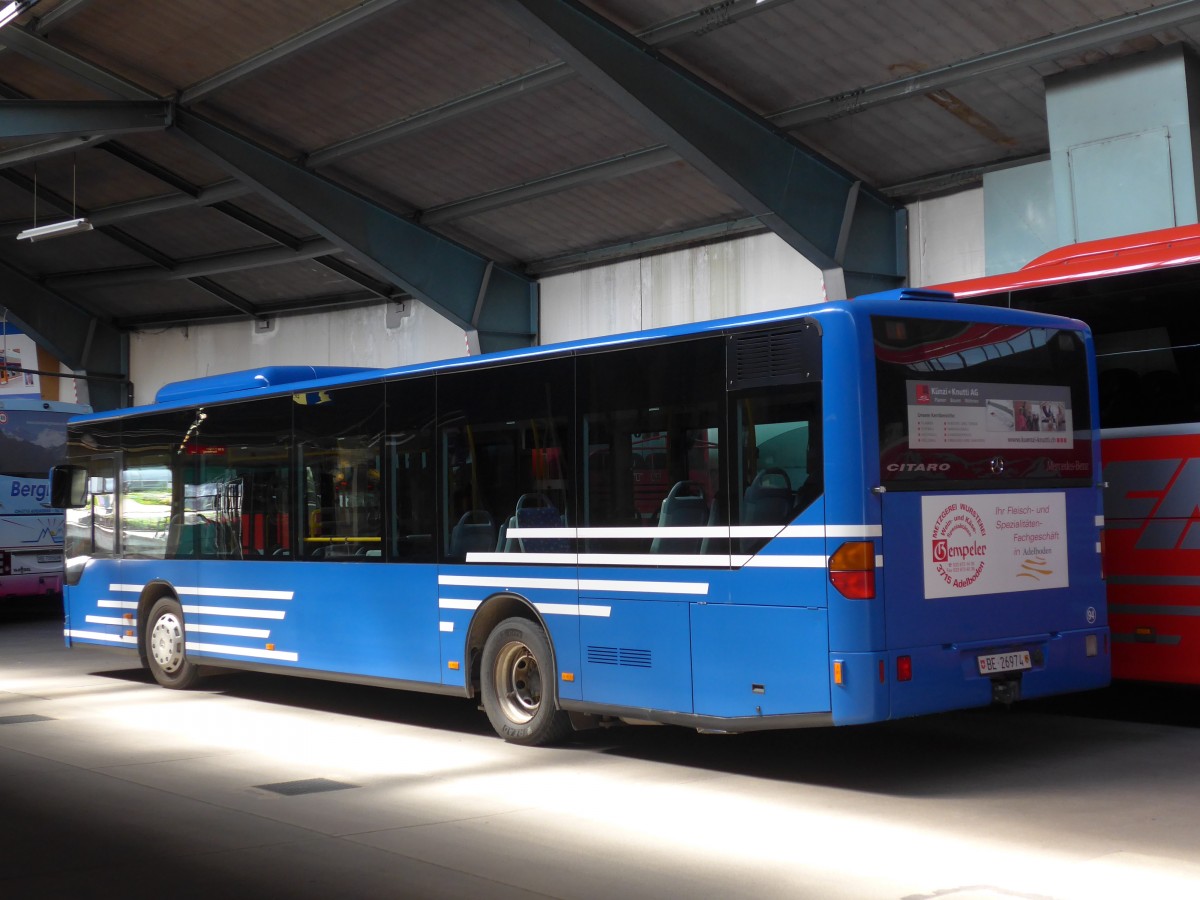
(964, 414)
(993, 543)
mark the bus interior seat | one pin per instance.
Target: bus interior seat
(684, 506)
(715, 543)
(769, 499)
(536, 511)
(474, 532)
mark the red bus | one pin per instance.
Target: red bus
(1139, 294)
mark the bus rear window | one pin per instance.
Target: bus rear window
(980, 405)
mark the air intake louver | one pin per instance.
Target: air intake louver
(619, 656)
(790, 355)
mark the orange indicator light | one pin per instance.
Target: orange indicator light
(568, 676)
(270, 646)
(453, 664)
(837, 672)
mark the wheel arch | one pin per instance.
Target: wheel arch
(492, 612)
(151, 594)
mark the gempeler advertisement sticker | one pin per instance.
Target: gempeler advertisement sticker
(993, 543)
(947, 415)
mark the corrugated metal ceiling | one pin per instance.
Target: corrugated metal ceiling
(448, 111)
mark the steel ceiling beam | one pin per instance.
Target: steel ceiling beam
(693, 24)
(76, 118)
(444, 112)
(704, 234)
(315, 35)
(46, 150)
(31, 45)
(444, 275)
(279, 309)
(1045, 49)
(854, 235)
(604, 170)
(79, 339)
(707, 19)
(182, 269)
(60, 13)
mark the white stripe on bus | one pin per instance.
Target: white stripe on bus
(452, 603)
(701, 531)
(794, 561)
(577, 584)
(100, 636)
(248, 593)
(234, 612)
(107, 620)
(283, 655)
(229, 630)
(699, 560)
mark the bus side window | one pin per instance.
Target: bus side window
(651, 422)
(339, 445)
(238, 491)
(504, 444)
(779, 455)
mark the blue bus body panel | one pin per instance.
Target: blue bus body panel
(759, 660)
(296, 615)
(638, 655)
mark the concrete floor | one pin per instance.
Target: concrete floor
(113, 787)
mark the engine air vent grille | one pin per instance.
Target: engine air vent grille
(789, 355)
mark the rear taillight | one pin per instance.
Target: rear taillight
(852, 570)
(904, 668)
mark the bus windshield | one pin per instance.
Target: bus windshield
(980, 405)
(31, 441)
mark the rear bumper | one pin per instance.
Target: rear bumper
(946, 678)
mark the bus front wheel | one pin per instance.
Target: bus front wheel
(166, 655)
(517, 683)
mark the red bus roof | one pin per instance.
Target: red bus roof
(1094, 259)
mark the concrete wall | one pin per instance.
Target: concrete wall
(745, 275)
(357, 337)
(945, 238)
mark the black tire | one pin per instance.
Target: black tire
(164, 645)
(517, 682)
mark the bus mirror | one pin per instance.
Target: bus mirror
(68, 487)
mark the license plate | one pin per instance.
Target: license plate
(997, 663)
(49, 558)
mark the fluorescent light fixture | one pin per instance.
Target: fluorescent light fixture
(55, 229)
(14, 9)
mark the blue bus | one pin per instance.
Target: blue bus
(836, 514)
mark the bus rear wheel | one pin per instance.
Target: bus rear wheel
(166, 654)
(517, 682)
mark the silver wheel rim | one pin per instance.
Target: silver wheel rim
(518, 683)
(166, 642)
